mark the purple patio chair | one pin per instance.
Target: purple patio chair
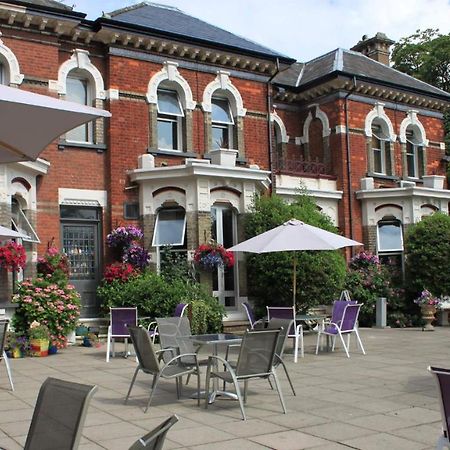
(296, 331)
(347, 325)
(443, 382)
(251, 317)
(3, 356)
(153, 326)
(120, 319)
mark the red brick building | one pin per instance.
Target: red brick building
(201, 121)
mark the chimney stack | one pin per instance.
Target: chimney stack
(376, 48)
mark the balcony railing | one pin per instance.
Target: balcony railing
(301, 166)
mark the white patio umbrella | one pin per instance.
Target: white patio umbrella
(29, 122)
(7, 233)
(294, 235)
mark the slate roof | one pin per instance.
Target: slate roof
(171, 21)
(48, 4)
(348, 62)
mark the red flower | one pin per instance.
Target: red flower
(12, 256)
(211, 256)
(119, 271)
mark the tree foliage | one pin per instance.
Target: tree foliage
(427, 251)
(425, 55)
(320, 274)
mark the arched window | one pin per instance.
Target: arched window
(380, 147)
(170, 120)
(2, 74)
(222, 123)
(78, 90)
(414, 153)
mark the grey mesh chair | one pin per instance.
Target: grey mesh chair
(284, 325)
(59, 415)
(3, 356)
(255, 360)
(174, 335)
(155, 439)
(443, 382)
(148, 362)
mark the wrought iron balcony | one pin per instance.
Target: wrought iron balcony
(301, 167)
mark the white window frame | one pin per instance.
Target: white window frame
(411, 143)
(390, 250)
(382, 140)
(172, 118)
(89, 127)
(229, 126)
(154, 244)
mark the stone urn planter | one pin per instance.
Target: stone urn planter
(428, 312)
(224, 157)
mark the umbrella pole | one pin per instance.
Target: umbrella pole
(294, 280)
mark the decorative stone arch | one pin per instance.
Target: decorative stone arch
(322, 116)
(169, 197)
(9, 60)
(411, 120)
(224, 83)
(379, 113)
(276, 119)
(388, 210)
(428, 209)
(225, 195)
(79, 61)
(170, 75)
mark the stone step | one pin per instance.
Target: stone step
(235, 326)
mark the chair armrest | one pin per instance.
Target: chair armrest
(298, 328)
(152, 324)
(176, 358)
(226, 364)
(228, 349)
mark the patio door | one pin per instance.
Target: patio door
(223, 231)
(80, 232)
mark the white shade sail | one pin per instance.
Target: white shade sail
(29, 122)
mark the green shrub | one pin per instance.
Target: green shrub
(320, 274)
(155, 296)
(427, 255)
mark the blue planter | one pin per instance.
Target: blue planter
(52, 349)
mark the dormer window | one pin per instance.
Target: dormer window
(170, 116)
(222, 123)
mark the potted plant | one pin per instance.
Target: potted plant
(428, 304)
(209, 257)
(16, 345)
(39, 336)
(12, 256)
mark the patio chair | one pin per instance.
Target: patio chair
(120, 319)
(256, 359)
(59, 415)
(443, 382)
(283, 325)
(153, 326)
(148, 362)
(155, 439)
(347, 325)
(174, 335)
(259, 324)
(3, 356)
(296, 331)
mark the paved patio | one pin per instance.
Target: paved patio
(385, 400)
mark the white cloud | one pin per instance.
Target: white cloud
(304, 29)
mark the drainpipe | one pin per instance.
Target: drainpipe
(349, 161)
(269, 128)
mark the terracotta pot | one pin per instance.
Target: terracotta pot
(39, 347)
(428, 312)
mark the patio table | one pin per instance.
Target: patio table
(215, 340)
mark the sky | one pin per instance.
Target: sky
(303, 29)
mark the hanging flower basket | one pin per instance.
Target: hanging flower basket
(209, 257)
(12, 256)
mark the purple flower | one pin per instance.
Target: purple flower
(137, 256)
(123, 236)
